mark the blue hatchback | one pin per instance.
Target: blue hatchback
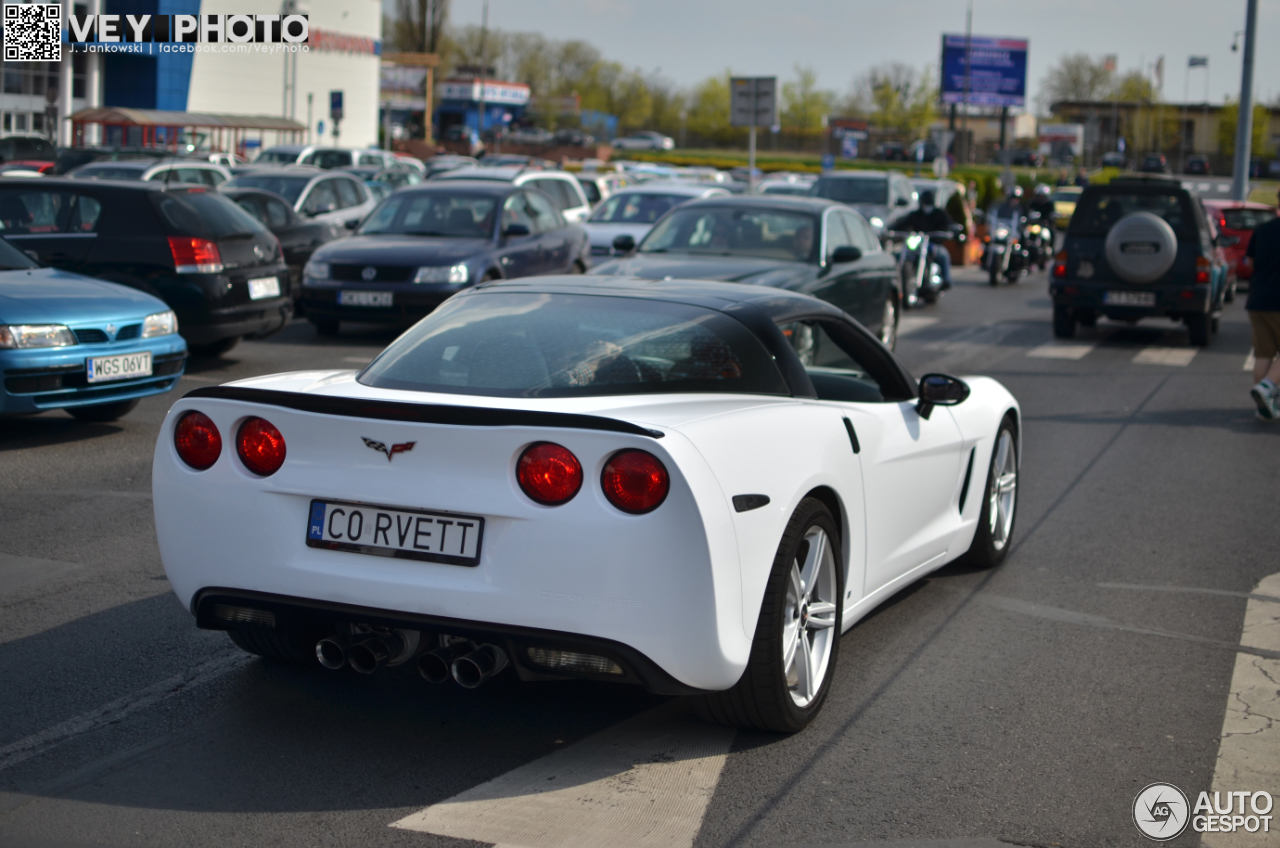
(91, 347)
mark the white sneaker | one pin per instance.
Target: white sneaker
(1263, 395)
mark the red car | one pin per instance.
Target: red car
(1236, 220)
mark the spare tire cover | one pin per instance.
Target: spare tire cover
(1141, 247)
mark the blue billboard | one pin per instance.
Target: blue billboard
(997, 70)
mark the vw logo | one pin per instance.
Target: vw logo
(368, 273)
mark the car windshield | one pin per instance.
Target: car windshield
(288, 187)
(726, 231)
(108, 172)
(12, 259)
(635, 207)
(1097, 211)
(530, 344)
(1247, 219)
(199, 213)
(434, 214)
(852, 190)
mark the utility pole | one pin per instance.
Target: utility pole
(1244, 123)
(968, 48)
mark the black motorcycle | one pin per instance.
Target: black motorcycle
(920, 274)
(1007, 256)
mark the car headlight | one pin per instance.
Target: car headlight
(316, 270)
(442, 274)
(35, 335)
(1002, 232)
(877, 222)
(160, 324)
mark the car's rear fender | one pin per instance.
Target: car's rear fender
(665, 583)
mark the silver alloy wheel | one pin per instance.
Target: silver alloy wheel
(1004, 490)
(809, 617)
(889, 324)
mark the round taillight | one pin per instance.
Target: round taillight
(635, 481)
(549, 474)
(197, 439)
(260, 446)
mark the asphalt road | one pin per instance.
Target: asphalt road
(1028, 704)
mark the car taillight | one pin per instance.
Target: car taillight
(1060, 264)
(195, 255)
(260, 446)
(635, 481)
(197, 440)
(1202, 269)
(549, 474)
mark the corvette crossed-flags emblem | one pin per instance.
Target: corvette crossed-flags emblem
(381, 447)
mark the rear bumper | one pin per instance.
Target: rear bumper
(258, 319)
(55, 378)
(1170, 301)
(316, 619)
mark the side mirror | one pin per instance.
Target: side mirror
(845, 253)
(516, 230)
(940, 390)
(624, 243)
(352, 224)
(902, 201)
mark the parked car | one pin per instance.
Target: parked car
(424, 244)
(298, 236)
(801, 244)
(87, 346)
(26, 169)
(644, 140)
(785, 187)
(891, 151)
(574, 138)
(531, 136)
(1115, 159)
(598, 186)
(443, 162)
(227, 160)
(1138, 247)
(216, 267)
(413, 163)
(1154, 163)
(342, 157)
(280, 154)
(191, 171)
(329, 197)
(633, 212)
(876, 195)
(1236, 221)
(398, 177)
(563, 188)
(923, 150)
(1064, 200)
(1197, 165)
(27, 147)
(70, 158)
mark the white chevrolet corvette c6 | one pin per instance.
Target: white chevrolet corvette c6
(695, 487)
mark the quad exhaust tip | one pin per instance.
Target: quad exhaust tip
(330, 653)
(473, 669)
(435, 666)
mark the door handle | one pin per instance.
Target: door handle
(853, 436)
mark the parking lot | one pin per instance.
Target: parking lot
(1023, 705)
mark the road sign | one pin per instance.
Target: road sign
(997, 70)
(753, 101)
(335, 106)
(828, 162)
(848, 147)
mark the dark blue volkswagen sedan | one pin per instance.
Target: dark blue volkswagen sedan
(423, 244)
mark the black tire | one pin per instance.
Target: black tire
(325, 326)
(271, 645)
(1064, 322)
(1199, 328)
(213, 350)
(762, 698)
(994, 271)
(990, 546)
(103, 411)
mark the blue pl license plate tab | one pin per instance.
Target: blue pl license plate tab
(399, 532)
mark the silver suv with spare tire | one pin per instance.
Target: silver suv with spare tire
(1138, 247)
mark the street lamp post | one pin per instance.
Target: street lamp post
(1244, 123)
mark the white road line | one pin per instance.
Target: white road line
(1061, 350)
(1154, 355)
(37, 743)
(1249, 753)
(644, 783)
(911, 323)
(1248, 362)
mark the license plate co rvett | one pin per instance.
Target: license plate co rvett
(395, 532)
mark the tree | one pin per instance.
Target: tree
(1133, 87)
(1227, 118)
(803, 104)
(709, 112)
(418, 26)
(1075, 77)
(895, 97)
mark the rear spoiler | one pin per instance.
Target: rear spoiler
(421, 413)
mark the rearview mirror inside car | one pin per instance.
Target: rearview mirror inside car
(940, 390)
(624, 243)
(845, 253)
(516, 230)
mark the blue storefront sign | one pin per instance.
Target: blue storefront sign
(997, 70)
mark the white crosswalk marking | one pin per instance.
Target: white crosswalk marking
(645, 783)
(1061, 350)
(911, 323)
(1154, 355)
(1249, 361)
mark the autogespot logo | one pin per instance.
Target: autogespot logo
(1160, 811)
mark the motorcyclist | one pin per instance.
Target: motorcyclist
(930, 218)
(1043, 205)
(1012, 207)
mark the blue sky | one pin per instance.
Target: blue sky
(692, 39)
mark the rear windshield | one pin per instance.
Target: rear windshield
(865, 190)
(108, 172)
(1097, 212)
(290, 188)
(529, 344)
(1247, 219)
(205, 215)
(637, 207)
(434, 214)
